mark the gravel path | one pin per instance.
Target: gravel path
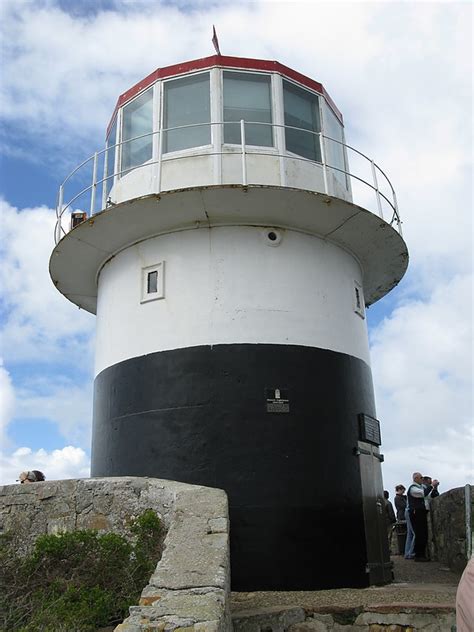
(415, 583)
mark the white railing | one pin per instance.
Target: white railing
(88, 182)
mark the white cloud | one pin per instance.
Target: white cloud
(450, 461)
(61, 401)
(399, 72)
(69, 462)
(39, 323)
(47, 343)
(422, 366)
(7, 402)
(396, 70)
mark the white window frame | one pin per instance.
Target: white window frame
(189, 151)
(269, 149)
(325, 132)
(108, 168)
(319, 96)
(146, 296)
(151, 88)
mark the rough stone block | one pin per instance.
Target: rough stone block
(47, 491)
(19, 499)
(406, 619)
(311, 625)
(207, 626)
(323, 618)
(195, 604)
(84, 498)
(218, 525)
(276, 618)
(102, 503)
(129, 627)
(192, 557)
(97, 522)
(61, 525)
(204, 501)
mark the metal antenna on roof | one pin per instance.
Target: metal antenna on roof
(215, 41)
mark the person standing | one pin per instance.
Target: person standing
(400, 502)
(418, 518)
(390, 518)
(430, 487)
(410, 541)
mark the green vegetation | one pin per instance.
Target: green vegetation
(78, 581)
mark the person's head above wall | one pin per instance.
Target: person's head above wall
(31, 476)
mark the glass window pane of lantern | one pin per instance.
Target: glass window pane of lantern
(187, 102)
(137, 120)
(334, 151)
(109, 164)
(248, 97)
(302, 112)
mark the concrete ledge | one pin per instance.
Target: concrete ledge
(190, 586)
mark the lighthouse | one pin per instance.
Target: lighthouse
(229, 241)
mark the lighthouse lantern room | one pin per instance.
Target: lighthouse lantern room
(229, 241)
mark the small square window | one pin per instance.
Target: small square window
(359, 303)
(152, 282)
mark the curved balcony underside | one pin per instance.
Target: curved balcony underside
(78, 258)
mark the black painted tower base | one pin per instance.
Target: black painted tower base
(295, 486)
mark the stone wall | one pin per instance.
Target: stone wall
(377, 618)
(191, 583)
(448, 528)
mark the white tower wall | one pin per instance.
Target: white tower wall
(230, 285)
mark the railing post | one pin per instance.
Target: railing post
(106, 179)
(323, 159)
(60, 201)
(376, 186)
(160, 161)
(244, 158)
(94, 185)
(395, 203)
(59, 213)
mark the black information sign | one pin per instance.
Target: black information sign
(277, 400)
(369, 428)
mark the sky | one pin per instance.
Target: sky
(400, 72)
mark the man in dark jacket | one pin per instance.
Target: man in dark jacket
(431, 488)
(390, 519)
(418, 518)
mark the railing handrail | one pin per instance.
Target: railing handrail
(194, 152)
